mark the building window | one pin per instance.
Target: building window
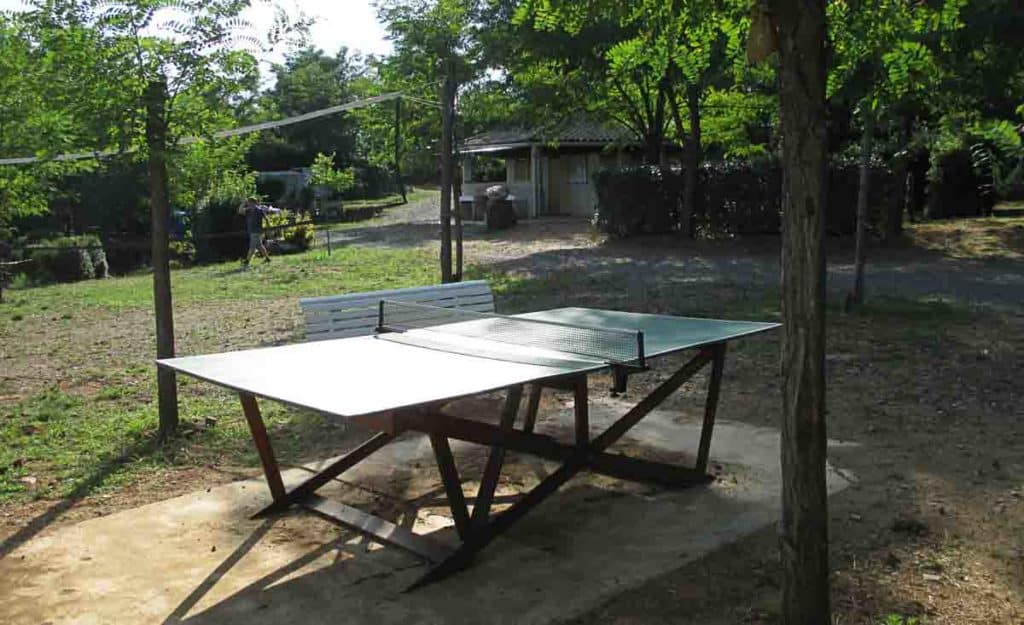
(578, 169)
(520, 169)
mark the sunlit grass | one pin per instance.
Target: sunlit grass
(345, 269)
(974, 238)
(57, 440)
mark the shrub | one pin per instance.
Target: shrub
(182, 252)
(279, 227)
(956, 188)
(637, 200)
(220, 230)
(738, 198)
(67, 259)
(885, 193)
(371, 182)
(733, 198)
(271, 188)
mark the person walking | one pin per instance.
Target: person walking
(254, 215)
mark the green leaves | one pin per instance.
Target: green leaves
(324, 174)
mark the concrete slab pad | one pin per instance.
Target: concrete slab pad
(200, 559)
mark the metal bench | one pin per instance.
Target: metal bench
(355, 314)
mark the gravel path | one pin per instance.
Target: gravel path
(552, 245)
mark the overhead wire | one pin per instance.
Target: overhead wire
(232, 132)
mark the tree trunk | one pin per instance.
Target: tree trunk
(447, 103)
(652, 148)
(800, 28)
(156, 142)
(896, 209)
(856, 296)
(456, 194)
(693, 150)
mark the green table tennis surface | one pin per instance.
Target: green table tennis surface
(372, 374)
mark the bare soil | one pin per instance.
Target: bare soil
(927, 408)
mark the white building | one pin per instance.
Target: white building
(549, 172)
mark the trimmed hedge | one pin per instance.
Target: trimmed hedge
(733, 198)
(220, 231)
(67, 259)
(956, 189)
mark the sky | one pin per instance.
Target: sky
(351, 23)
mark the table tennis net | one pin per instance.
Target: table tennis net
(610, 345)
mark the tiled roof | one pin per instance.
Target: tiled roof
(577, 131)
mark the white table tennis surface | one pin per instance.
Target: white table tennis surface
(373, 374)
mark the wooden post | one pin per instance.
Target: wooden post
(160, 215)
(447, 103)
(398, 149)
(799, 28)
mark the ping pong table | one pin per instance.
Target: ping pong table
(422, 357)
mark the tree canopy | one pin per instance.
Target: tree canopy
(937, 76)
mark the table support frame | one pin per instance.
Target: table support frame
(477, 527)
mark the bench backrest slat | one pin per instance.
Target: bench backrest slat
(355, 314)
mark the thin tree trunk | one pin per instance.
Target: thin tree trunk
(856, 296)
(897, 208)
(447, 103)
(156, 142)
(456, 194)
(693, 150)
(800, 30)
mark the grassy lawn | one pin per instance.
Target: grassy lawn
(89, 411)
(90, 424)
(411, 195)
(301, 275)
(923, 393)
(976, 238)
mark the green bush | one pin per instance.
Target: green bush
(220, 230)
(67, 259)
(733, 198)
(182, 252)
(739, 198)
(271, 188)
(280, 227)
(956, 188)
(638, 200)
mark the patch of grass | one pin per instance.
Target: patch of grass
(412, 195)
(346, 269)
(916, 320)
(975, 238)
(896, 619)
(101, 438)
(57, 443)
(54, 441)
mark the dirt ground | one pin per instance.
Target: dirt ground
(933, 527)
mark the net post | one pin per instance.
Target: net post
(640, 349)
(380, 316)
